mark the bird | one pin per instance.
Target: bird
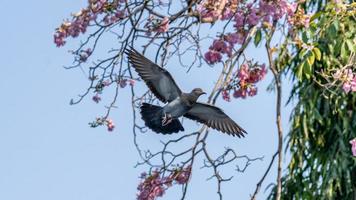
(165, 120)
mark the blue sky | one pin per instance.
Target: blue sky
(47, 149)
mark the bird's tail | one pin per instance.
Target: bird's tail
(152, 115)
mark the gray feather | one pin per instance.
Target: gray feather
(157, 79)
(214, 118)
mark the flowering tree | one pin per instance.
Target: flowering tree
(316, 46)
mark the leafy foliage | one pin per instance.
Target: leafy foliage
(324, 120)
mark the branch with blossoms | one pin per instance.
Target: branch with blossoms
(174, 29)
(343, 77)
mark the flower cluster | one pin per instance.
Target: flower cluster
(299, 19)
(222, 46)
(347, 78)
(156, 25)
(84, 55)
(96, 98)
(123, 82)
(353, 146)
(100, 121)
(244, 16)
(99, 89)
(243, 82)
(82, 19)
(154, 185)
(110, 124)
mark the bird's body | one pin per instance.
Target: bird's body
(166, 119)
(177, 108)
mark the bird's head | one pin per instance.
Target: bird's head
(197, 92)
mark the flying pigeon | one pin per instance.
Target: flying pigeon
(165, 119)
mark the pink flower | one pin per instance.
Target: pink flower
(337, 74)
(353, 84)
(240, 93)
(353, 146)
(239, 20)
(106, 83)
(123, 83)
(349, 75)
(252, 18)
(163, 27)
(227, 14)
(96, 98)
(346, 87)
(243, 73)
(257, 74)
(110, 124)
(131, 82)
(252, 91)
(231, 38)
(212, 57)
(226, 95)
(59, 39)
(120, 14)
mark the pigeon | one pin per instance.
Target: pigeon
(165, 119)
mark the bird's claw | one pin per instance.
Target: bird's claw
(166, 119)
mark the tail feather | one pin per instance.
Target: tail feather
(152, 115)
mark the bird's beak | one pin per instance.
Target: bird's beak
(203, 93)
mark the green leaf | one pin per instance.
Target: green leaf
(317, 53)
(258, 37)
(302, 53)
(307, 67)
(351, 45)
(343, 52)
(316, 15)
(304, 37)
(300, 71)
(311, 58)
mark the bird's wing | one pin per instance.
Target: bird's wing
(157, 79)
(214, 118)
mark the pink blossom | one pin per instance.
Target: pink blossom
(252, 91)
(106, 83)
(212, 57)
(158, 191)
(227, 14)
(59, 39)
(120, 14)
(226, 95)
(82, 19)
(83, 56)
(183, 175)
(253, 18)
(346, 87)
(353, 146)
(110, 124)
(240, 93)
(349, 75)
(154, 185)
(96, 98)
(239, 20)
(235, 38)
(337, 74)
(231, 38)
(353, 84)
(257, 74)
(243, 73)
(163, 27)
(123, 83)
(131, 82)
(244, 80)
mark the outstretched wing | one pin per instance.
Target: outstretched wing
(156, 78)
(214, 118)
